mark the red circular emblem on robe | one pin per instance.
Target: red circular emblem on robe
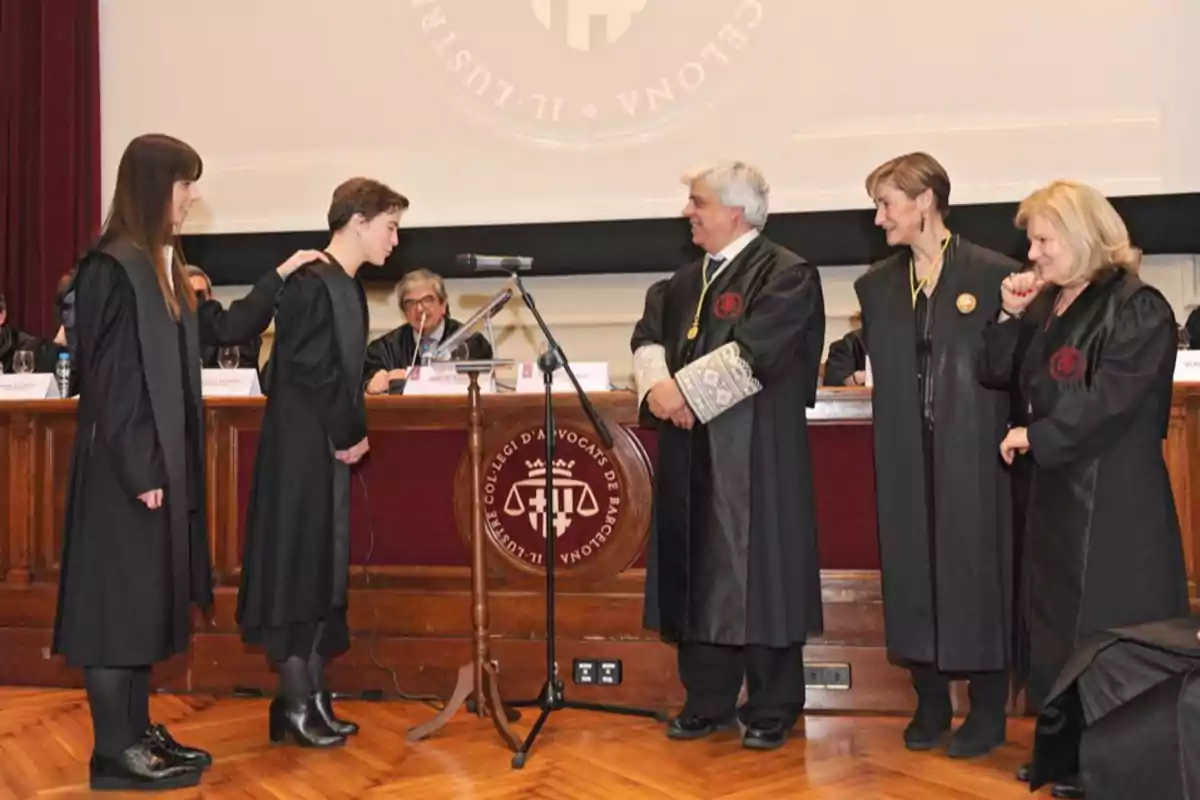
(728, 305)
(1067, 364)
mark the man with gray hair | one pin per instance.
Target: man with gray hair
(726, 358)
(426, 307)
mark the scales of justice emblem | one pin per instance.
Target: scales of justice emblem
(571, 497)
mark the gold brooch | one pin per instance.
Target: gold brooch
(965, 303)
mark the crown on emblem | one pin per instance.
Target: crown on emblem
(562, 467)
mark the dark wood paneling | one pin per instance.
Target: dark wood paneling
(415, 619)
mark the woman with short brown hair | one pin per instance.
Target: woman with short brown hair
(943, 502)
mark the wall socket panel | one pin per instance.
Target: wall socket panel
(827, 676)
(597, 671)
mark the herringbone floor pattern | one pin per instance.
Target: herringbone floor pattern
(45, 741)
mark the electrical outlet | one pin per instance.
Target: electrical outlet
(827, 676)
(610, 671)
(584, 671)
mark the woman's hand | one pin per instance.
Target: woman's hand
(152, 498)
(1017, 441)
(1018, 290)
(298, 260)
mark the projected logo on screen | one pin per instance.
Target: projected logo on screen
(578, 16)
(597, 511)
(590, 72)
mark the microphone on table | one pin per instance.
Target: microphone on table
(482, 263)
(446, 349)
(417, 349)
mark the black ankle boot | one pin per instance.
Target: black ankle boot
(300, 720)
(140, 767)
(324, 703)
(984, 728)
(931, 722)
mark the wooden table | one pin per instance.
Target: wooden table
(410, 608)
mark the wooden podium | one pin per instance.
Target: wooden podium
(480, 678)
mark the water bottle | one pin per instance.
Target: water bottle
(62, 374)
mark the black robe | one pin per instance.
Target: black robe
(1124, 715)
(395, 349)
(734, 542)
(241, 325)
(295, 560)
(847, 356)
(128, 573)
(947, 587)
(1103, 546)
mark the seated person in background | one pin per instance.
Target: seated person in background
(847, 361)
(13, 341)
(247, 350)
(423, 300)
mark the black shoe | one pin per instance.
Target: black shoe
(1070, 789)
(1023, 773)
(300, 720)
(140, 767)
(158, 736)
(765, 736)
(982, 733)
(689, 726)
(342, 727)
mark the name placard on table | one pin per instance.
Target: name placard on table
(242, 382)
(1187, 366)
(442, 378)
(593, 377)
(28, 386)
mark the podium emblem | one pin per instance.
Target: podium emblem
(597, 510)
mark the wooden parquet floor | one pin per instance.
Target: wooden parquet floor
(45, 741)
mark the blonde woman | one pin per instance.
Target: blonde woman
(1097, 356)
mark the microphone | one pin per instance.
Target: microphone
(417, 349)
(481, 263)
(446, 349)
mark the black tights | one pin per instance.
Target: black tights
(119, 698)
(300, 678)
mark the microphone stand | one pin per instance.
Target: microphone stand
(552, 698)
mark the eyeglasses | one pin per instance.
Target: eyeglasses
(429, 301)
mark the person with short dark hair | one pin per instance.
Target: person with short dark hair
(944, 499)
(426, 307)
(14, 340)
(846, 363)
(296, 554)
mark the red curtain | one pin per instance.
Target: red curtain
(50, 146)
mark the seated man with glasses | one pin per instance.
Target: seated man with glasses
(423, 300)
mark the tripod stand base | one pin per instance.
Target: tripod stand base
(491, 701)
(552, 700)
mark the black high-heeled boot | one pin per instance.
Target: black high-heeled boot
(324, 703)
(300, 720)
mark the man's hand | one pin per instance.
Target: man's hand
(354, 454)
(298, 260)
(1017, 441)
(684, 418)
(378, 383)
(152, 498)
(665, 400)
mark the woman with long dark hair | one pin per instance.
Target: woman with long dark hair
(135, 555)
